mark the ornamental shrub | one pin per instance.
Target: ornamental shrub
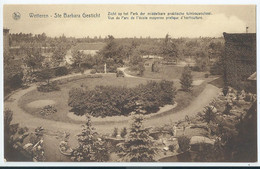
(123, 132)
(49, 87)
(186, 79)
(61, 71)
(111, 100)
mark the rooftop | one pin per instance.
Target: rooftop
(89, 46)
(240, 37)
(252, 77)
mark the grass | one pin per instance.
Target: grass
(167, 72)
(62, 104)
(182, 98)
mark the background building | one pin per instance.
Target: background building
(6, 39)
(240, 59)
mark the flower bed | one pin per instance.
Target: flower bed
(48, 110)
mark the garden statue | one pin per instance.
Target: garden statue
(105, 68)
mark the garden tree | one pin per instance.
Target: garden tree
(169, 49)
(9, 131)
(209, 115)
(59, 54)
(225, 90)
(77, 58)
(155, 66)
(127, 50)
(123, 132)
(12, 73)
(215, 49)
(34, 58)
(138, 146)
(217, 68)
(186, 79)
(184, 143)
(46, 73)
(135, 59)
(91, 147)
(88, 61)
(112, 54)
(82, 61)
(132, 48)
(228, 107)
(137, 64)
(115, 132)
(202, 60)
(77, 100)
(153, 95)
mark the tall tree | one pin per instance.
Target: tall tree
(186, 79)
(169, 49)
(112, 52)
(12, 73)
(59, 54)
(33, 58)
(139, 145)
(9, 131)
(91, 148)
(137, 64)
(47, 73)
(77, 58)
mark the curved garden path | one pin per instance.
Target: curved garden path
(195, 82)
(26, 119)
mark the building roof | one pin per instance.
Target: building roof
(239, 37)
(252, 77)
(90, 46)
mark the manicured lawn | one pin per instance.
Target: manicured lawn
(184, 99)
(61, 97)
(167, 72)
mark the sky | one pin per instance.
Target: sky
(223, 18)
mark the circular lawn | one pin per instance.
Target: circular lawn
(33, 101)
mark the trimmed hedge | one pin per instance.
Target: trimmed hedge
(111, 101)
(61, 71)
(52, 86)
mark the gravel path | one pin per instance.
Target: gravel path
(26, 119)
(194, 83)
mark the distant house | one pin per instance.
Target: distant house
(89, 48)
(240, 57)
(89, 52)
(151, 57)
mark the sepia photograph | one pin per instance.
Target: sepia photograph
(130, 83)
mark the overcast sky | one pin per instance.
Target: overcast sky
(230, 19)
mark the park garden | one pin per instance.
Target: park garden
(166, 107)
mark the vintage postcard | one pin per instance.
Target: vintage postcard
(129, 83)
